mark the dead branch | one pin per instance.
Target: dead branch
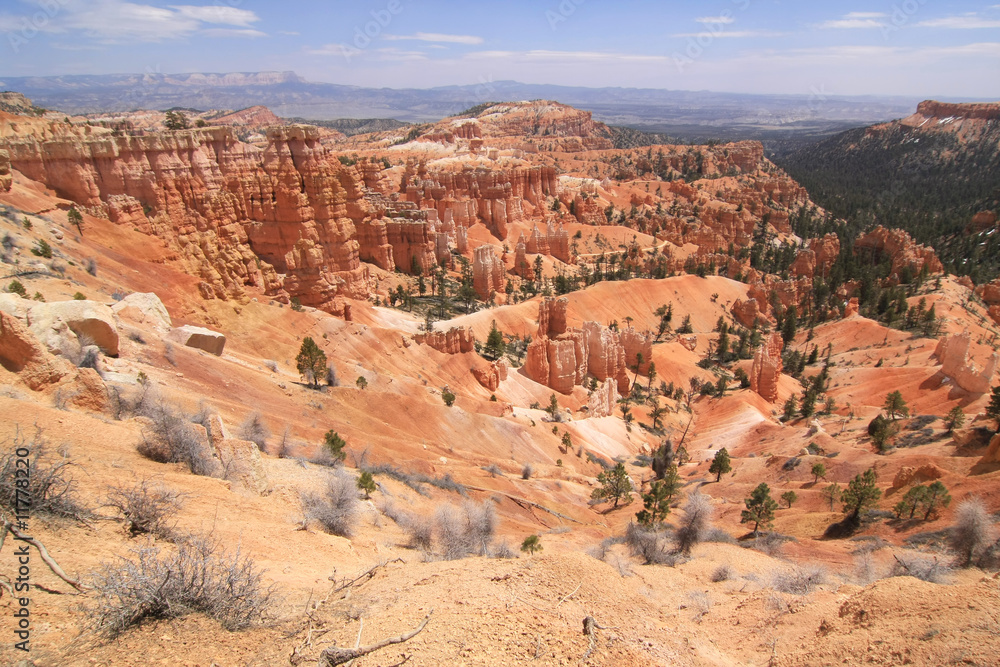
(43, 552)
(366, 575)
(570, 595)
(332, 655)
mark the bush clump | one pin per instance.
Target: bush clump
(197, 576)
(147, 510)
(50, 489)
(171, 438)
(334, 509)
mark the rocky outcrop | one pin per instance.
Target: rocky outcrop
(199, 338)
(488, 273)
(603, 402)
(901, 249)
(6, 180)
(456, 340)
(908, 475)
(280, 218)
(491, 375)
(64, 326)
(980, 222)
(561, 357)
(242, 463)
(817, 258)
(990, 294)
(522, 266)
(766, 369)
(635, 344)
(553, 241)
(21, 353)
(992, 455)
(852, 307)
(143, 309)
(953, 353)
(747, 312)
(495, 197)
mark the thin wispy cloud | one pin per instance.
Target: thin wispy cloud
(855, 20)
(968, 22)
(438, 37)
(545, 55)
(724, 20)
(116, 22)
(731, 34)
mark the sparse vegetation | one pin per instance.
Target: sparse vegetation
(616, 486)
(760, 508)
(531, 545)
(720, 464)
(255, 430)
(197, 576)
(336, 508)
(311, 362)
(49, 487)
(145, 508)
(171, 439)
(973, 531)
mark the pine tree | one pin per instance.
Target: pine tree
(311, 362)
(75, 218)
(954, 419)
(993, 409)
(334, 445)
(366, 483)
(495, 346)
(760, 508)
(789, 497)
(615, 485)
(895, 405)
(818, 470)
(720, 464)
(861, 493)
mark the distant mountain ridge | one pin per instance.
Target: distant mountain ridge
(288, 95)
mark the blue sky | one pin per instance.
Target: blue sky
(922, 48)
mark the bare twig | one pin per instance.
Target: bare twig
(332, 655)
(523, 501)
(43, 552)
(570, 595)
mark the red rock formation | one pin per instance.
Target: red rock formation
(852, 307)
(935, 109)
(767, 367)
(605, 355)
(5, 176)
(456, 340)
(257, 117)
(953, 353)
(553, 241)
(281, 218)
(989, 292)
(604, 401)
(21, 353)
(902, 250)
(522, 266)
(374, 246)
(488, 273)
(747, 312)
(817, 257)
(411, 241)
(635, 343)
(492, 375)
(552, 316)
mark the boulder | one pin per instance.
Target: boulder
(63, 325)
(953, 353)
(492, 375)
(21, 353)
(908, 475)
(6, 180)
(143, 309)
(241, 462)
(200, 338)
(992, 454)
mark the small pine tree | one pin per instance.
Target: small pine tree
(75, 218)
(495, 346)
(448, 397)
(895, 405)
(17, 287)
(818, 470)
(361, 382)
(861, 493)
(937, 496)
(531, 544)
(334, 445)
(720, 464)
(615, 486)
(311, 362)
(954, 419)
(790, 409)
(366, 483)
(789, 497)
(993, 409)
(760, 508)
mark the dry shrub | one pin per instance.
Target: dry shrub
(420, 532)
(696, 514)
(502, 551)
(972, 533)
(146, 509)
(653, 546)
(600, 552)
(527, 471)
(866, 571)
(921, 567)
(197, 576)
(50, 489)
(798, 580)
(724, 572)
(466, 531)
(768, 543)
(172, 439)
(125, 403)
(336, 508)
(255, 430)
(699, 603)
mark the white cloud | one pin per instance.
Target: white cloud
(970, 22)
(850, 24)
(438, 37)
(731, 34)
(218, 14)
(291, 33)
(865, 15)
(233, 32)
(115, 21)
(716, 19)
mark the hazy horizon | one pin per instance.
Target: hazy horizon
(913, 48)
